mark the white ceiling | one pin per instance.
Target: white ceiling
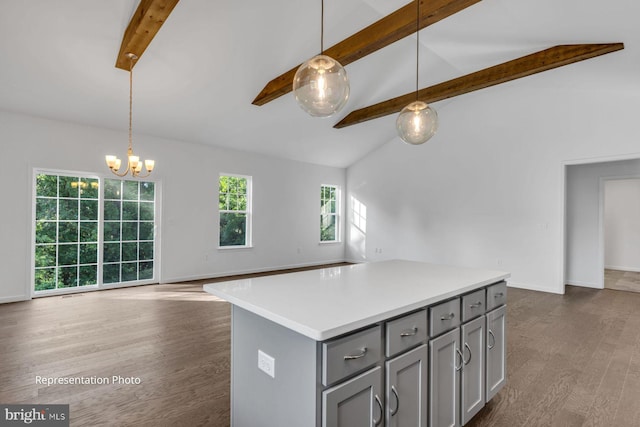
(196, 81)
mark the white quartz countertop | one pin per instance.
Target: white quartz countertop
(325, 303)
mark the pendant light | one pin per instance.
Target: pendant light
(417, 122)
(134, 165)
(321, 85)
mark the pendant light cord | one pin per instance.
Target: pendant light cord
(417, 45)
(322, 28)
(130, 101)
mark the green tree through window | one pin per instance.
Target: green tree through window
(66, 232)
(234, 208)
(67, 247)
(328, 213)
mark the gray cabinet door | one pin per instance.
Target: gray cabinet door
(354, 403)
(445, 362)
(473, 367)
(406, 389)
(496, 351)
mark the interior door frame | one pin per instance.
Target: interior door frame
(563, 211)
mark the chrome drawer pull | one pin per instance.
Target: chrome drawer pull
(499, 295)
(409, 333)
(395, 393)
(356, 356)
(494, 339)
(379, 420)
(448, 316)
(466, 362)
(476, 305)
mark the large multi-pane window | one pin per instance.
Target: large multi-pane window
(129, 214)
(66, 232)
(329, 225)
(234, 206)
(68, 244)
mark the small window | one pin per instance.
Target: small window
(234, 205)
(329, 220)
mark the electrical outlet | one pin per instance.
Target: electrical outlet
(266, 364)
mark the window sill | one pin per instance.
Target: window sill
(332, 242)
(230, 248)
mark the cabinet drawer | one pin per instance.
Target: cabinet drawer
(496, 295)
(351, 354)
(406, 332)
(444, 316)
(473, 305)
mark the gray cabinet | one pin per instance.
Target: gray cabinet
(421, 368)
(354, 403)
(445, 362)
(496, 351)
(472, 392)
(406, 389)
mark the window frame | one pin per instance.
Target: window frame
(336, 214)
(100, 285)
(248, 212)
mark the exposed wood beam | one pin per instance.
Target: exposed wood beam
(144, 25)
(544, 60)
(381, 33)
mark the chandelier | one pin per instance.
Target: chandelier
(134, 164)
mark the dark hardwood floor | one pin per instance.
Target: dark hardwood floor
(573, 360)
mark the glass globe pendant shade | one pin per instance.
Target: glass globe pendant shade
(416, 123)
(321, 86)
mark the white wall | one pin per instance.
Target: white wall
(488, 190)
(286, 200)
(584, 256)
(622, 224)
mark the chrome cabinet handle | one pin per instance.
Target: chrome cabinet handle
(360, 355)
(409, 333)
(448, 316)
(466, 362)
(499, 295)
(379, 420)
(476, 305)
(395, 393)
(461, 359)
(494, 339)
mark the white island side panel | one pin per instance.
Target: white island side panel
(322, 304)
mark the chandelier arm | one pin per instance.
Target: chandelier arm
(121, 174)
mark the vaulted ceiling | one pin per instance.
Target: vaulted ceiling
(198, 78)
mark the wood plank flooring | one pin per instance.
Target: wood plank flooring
(573, 360)
(622, 280)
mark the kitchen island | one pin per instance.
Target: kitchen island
(366, 344)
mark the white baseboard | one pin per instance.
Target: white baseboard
(249, 271)
(616, 267)
(14, 298)
(533, 288)
(583, 284)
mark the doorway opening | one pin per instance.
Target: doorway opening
(621, 231)
(584, 214)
